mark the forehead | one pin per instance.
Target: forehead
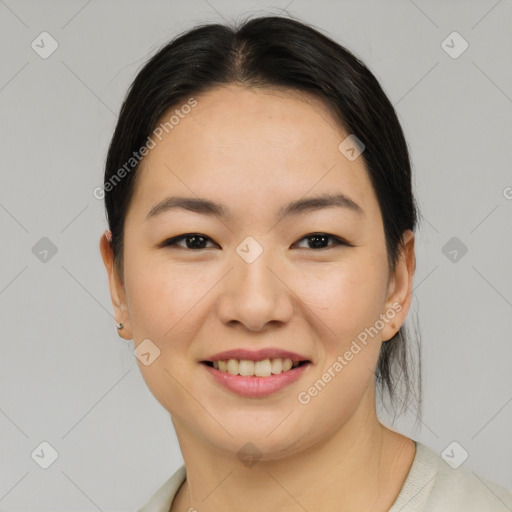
(246, 146)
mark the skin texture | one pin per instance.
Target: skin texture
(256, 150)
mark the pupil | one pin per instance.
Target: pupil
(197, 241)
(316, 239)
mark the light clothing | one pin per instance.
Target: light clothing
(431, 486)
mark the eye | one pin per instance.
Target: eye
(318, 240)
(196, 241)
(192, 241)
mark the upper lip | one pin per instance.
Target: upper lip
(257, 355)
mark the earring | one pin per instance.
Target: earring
(120, 325)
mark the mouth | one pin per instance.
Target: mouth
(264, 368)
(256, 378)
(256, 373)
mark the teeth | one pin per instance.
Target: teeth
(276, 366)
(262, 368)
(233, 367)
(247, 368)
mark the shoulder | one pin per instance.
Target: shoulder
(162, 499)
(433, 486)
(468, 491)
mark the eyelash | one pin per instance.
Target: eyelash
(173, 241)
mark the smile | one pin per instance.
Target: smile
(248, 368)
(255, 379)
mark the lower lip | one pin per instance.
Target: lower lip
(256, 386)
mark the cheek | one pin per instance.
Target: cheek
(161, 295)
(348, 300)
(348, 297)
(161, 299)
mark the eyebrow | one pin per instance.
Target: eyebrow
(301, 206)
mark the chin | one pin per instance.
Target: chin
(267, 438)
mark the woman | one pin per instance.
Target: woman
(260, 254)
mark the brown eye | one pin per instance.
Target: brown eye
(320, 241)
(193, 241)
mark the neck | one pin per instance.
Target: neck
(362, 466)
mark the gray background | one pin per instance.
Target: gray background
(66, 376)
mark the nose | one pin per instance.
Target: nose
(255, 295)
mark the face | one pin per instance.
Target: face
(255, 278)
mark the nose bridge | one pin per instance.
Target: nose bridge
(252, 267)
(254, 295)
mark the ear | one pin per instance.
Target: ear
(117, 292)
(400, 287)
